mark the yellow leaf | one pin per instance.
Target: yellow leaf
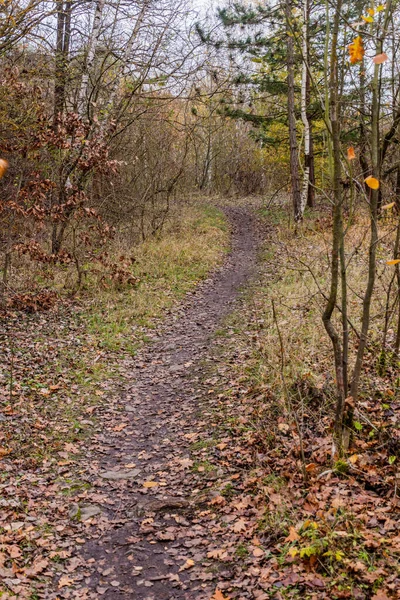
(367, 19)
(387, 206)
(380, 8)
(3, 167)
(150, 484)
(351, 155)
(395, 261)
(293, 552)
(188, 564)
(353, 458)
(380, 58)
(372, 183)
(356, 50)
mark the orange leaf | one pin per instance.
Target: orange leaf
(367, 19)
(219, 595)
(356, 50)
(372, 183)
(395, 261)
(3, 167)
(380, 58)
(293, 535)
(150, 484)
(351, 155)
(371, 11)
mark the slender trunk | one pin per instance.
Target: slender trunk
(311, 187)
(294, 158)
(306, 196)
(59, 75)
(123, 67)
(397, 267)
(345, 322)
(363, 130)
(373, 199)
(91, 53)
(337, 238)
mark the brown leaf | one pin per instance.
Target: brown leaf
(293, 535)
(218, 595)
(65, 581)
(239, 525)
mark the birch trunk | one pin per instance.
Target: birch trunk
(125, 60)
(304, 113)
(294, 158)
(91, 53)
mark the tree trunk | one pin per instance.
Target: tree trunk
(307, 193)
(373, 200)
(294, 158)
(337, 238)
(64, 11)
(91, 53)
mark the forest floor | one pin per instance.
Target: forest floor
(188, 485)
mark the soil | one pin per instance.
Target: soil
(149, 542)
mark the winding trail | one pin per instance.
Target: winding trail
(146, 533)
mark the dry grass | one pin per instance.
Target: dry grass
(297, 280)
(56, 364)
(167, 268)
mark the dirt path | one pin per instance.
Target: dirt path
(142, 477)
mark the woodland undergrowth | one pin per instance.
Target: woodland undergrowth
(308, 525)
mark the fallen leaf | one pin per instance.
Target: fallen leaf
(14, 551)
(218, 553)
(395, 261)
(218, 595)
(150, 484)
(120, 427)
(188, 565)
(380, 595)
(239, 525)
(65, 581)
(293, 535)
